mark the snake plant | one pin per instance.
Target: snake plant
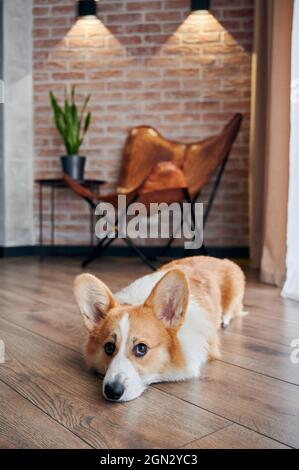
(71, 123)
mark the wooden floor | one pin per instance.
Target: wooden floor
(249, 399)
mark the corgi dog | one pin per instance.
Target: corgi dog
(162, 327)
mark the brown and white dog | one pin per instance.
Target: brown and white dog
(163, 327)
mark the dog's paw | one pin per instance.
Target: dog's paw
(226, 320)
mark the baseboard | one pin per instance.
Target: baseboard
(241, 252)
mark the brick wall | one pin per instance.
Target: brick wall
(145, 62)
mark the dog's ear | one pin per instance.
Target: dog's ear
(93, 298)
(169, 298)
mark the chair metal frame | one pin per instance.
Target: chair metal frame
(107, 241)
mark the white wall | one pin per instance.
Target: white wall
(291, 288)
(2, 204)
(17, 214)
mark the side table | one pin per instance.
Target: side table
(59, 183)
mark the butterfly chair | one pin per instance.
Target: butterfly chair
(158, 170)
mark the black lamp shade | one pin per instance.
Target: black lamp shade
(87, 8)
(200, 5)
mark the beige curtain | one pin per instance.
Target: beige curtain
(270, 135)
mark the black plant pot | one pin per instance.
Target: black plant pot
(73, 165)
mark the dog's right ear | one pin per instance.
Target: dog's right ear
(94, 299)
(169, 298)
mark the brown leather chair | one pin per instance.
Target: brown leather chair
(155, 169)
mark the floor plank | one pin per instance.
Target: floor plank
(23, 426)
(235, 437)
(54, 379)
(251, 343)
(266, 328)
(263, 404)
(252, 395)
(257, 355)
(66, 328)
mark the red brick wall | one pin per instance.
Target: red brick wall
(146, 62)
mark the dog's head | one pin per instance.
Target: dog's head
(132, 346)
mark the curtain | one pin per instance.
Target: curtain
(269, 162)
(291, 288)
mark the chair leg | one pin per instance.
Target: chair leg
(202, 251)
(139, 253)
(101, 246)
(166, 247)
(171, 240)
(97, 251)
(106, 242)
(214, 191)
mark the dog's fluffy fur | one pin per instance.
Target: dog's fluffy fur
(176, 313)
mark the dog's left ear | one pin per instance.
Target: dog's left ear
(169, 298)
(94, 299)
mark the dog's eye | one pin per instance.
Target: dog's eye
(109, 348)
(140, 350)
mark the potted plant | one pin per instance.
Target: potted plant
(73, 126)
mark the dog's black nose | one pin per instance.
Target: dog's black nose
(114, 390)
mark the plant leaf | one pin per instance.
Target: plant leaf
(87, 123)
(68, 121)
(86, 101)
(73, 93)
